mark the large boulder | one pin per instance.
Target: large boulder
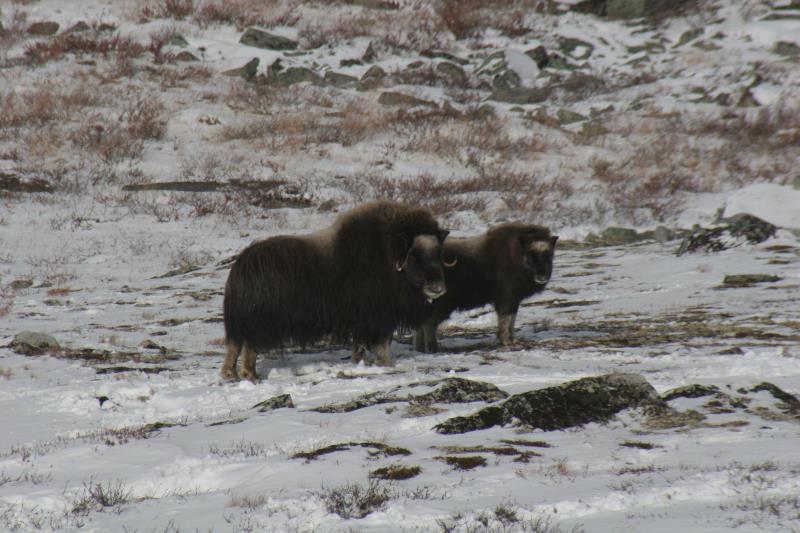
(263, 39)
(593, 399)
(34, 343)
(728, 233)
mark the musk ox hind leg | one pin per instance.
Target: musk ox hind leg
(383, 354)
(359, 353)
(249, 364)
(228, 371)
(505, 327)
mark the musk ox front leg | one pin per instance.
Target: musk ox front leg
(505, 327)
(359, 353)
(424, 337)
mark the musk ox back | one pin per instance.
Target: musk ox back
(376, 268)
(503, 266)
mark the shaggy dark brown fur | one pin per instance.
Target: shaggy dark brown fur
(376, 268)
(503, 266)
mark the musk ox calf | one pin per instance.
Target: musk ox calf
(376, 268)
(503, 266)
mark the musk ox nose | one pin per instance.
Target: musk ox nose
(434, 289)
(541, 279)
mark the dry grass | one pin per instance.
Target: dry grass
(80, 45)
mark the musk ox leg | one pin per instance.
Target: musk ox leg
(424, 338)
(359, 353)
(505, 328)
(249, 364)
(228, 371)
(383, 354)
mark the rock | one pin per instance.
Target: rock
(454, 74)
(503, 68)
(690, 391)
(43, 29)
(689, 35)
(342, 81)
(186, 56)
(580, 86)
(438, 54)
(34, 343)
(575, 48)
(565, 116)
(539, 55)
(395, 98)
(614, 236)
(293, 75)
(369, 54)
(663, 234)
(178, 40)
(19, 284)
(372, 78)
(791, 402)
(796, 183)
(747, 280)
(276, 402)
(376, 4)
(521, 95)
(734, 231)
(262, 39)
(248, 71)
(593, 399)
(786, 49)
(13, 183)
(78, 27)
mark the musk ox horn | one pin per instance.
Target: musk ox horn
(398, 266)
(450, 264)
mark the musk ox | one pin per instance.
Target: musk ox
(503, 266)
(376, 268)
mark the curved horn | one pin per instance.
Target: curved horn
(451, 264)
(398, 266)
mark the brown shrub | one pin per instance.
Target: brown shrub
(57, 47)
(159, 9)
(244, 13)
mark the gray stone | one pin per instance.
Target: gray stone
(439, 54)
(19, 284)
(565, 116)
(690, 391)
(663, 234)
(343, 81)
(248, 71)
(261, 39)
(78, 27)
(43, 29)
(689, 35)
(521, 95)
(276, 402)
(369, 54)
(570, 45)
(786, 49)
(383, 5)
(796, 183)
(616, 236)
(185, 55)
(34, 343)
(539, 55)
(454, 74)
(593, 399)
(293, 75)
(178, 40)
(395, 98)
(747, 280)
(372, 78)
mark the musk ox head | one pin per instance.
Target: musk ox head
(422, 265)
(537, 256)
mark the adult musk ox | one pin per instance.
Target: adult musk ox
(376, 268)
(503, 266)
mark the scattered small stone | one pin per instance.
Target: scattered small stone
(342, 81)
(690, 391)
(394, 98)
(276, 402)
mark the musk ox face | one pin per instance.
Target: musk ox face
(422, 265)
(537, 260)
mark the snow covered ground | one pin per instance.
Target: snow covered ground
(127, 426)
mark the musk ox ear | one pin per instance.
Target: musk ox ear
(443, 235)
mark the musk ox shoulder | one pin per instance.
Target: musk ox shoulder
(376, 268)
(505, 265)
